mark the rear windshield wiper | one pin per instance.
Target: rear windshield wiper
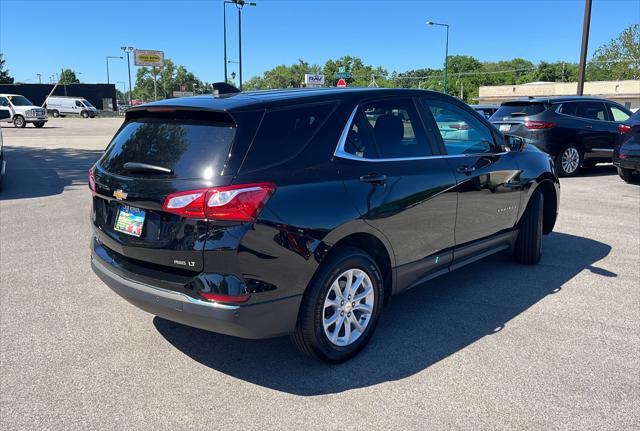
(144, 167)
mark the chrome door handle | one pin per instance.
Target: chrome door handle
(374, 178)
(466, 169)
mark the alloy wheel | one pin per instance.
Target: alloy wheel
(570, 160)
(348, 307)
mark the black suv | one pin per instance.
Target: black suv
(302, 211)
(575, 131)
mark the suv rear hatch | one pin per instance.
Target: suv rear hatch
(156, 152)
(518, 118)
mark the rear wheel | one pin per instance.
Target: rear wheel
(18, 121)
(528, 247)
(84, 114)
(627, 175)
(39, 124)
(568, 160)
(341, 307)
(55, 113)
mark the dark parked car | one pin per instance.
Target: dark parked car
(302, 211)
(626, 155)
(486, 110)
(575, 131)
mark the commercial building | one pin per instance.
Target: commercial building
(626, 93)
(102, 96)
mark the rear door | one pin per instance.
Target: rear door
(488, 179)
(188, 151)
(386, 159)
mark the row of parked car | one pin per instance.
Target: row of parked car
(22, 111)
(576, 131)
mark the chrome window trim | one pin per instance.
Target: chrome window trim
(604, 150)
(341, 153)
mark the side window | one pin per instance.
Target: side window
(387, 129)
(78, 104)
(618, 114)
(4, 101)
(569, 108)
(461, 132)
(283, 133)
(592, 111)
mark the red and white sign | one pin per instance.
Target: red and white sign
(183, 87)
(341, 83)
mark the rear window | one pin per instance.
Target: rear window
(284, 133)
(518, 110)
(196, 149)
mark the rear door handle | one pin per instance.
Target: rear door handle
(588, 127)
(466, 169)
(374, 178)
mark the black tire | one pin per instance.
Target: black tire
(309, 336)
(627, 175)
(55, 113)
(84, 114)
(18, 121)
(528, 246)
(39, 124)
(571, 152)
(62, 116)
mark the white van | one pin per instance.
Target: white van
(60, 106)
(22, 111)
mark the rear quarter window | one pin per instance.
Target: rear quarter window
(284, 133)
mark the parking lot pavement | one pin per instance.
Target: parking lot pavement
(494, 345)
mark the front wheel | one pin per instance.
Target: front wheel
(528, 247)
(568, 160)
(627, 175)
(18, 121)
(341, 307)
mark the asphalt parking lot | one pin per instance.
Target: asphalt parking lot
(495, 345)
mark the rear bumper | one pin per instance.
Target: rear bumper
(262, 320)
(630, 163)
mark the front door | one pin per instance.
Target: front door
(387, 163)
(488, 180)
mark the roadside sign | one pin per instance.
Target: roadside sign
(182, 93)
(183, 87)
(313, 80)
(342, 73)
(142, 57)
(341, 83)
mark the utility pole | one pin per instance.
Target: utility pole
(39, 78)
(583, 51)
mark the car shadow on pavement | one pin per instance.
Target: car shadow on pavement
(418, 329)
(598, 171)
(37, 172)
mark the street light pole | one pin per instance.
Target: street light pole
(108, 57)
(128, 50)
(224, 28)
(239, 4)
(446, 52)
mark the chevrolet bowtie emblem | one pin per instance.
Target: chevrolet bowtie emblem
(119, 194)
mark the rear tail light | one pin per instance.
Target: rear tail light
(92, 180)
(623, 128)
(460, 126)
(537, 125)
(241, 202)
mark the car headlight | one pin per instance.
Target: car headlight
(28, 113)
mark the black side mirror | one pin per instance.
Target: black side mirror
(4, 113)
(514, 143)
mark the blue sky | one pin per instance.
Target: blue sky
(44, 36)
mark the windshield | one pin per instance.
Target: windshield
(87, 104)
(518, 110)
(19, 101)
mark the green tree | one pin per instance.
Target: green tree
(618, 59)
(68, 76)
(4, 73)
(168, 78)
